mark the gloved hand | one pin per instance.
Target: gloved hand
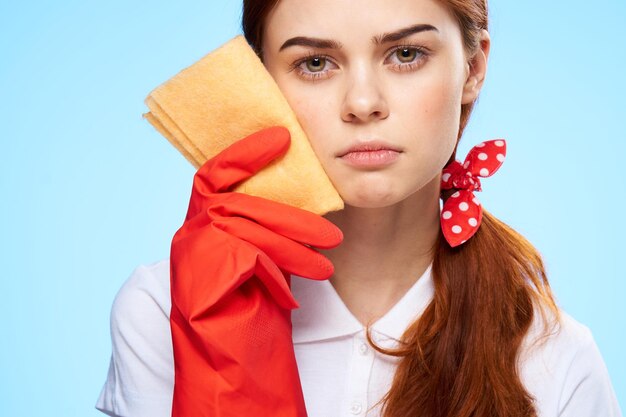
(230, 265)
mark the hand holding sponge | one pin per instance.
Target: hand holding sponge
(231, 260)
(230, 266)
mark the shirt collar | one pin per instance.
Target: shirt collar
(323, 315)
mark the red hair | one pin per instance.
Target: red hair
(459, 359)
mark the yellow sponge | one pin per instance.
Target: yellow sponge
(225, 96)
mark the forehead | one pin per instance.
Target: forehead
(352, 21)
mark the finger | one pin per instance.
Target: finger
(289, 255)
(208, 264)
(192, 223)
(275, 282)
(294, 223)
(241, 160)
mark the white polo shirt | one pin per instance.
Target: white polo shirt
(341, 375)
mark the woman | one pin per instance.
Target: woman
(458, 328)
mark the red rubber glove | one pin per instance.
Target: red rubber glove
(231, 300)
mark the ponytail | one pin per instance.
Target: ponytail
(459, 359)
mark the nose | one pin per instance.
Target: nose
(364, 98)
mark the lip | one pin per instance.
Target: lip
(374, 153)
(369, 146)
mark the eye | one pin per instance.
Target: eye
(312, 66)
(406, 54)
(315, 64)
(409, 57)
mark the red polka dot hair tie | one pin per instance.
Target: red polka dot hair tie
(462, 213)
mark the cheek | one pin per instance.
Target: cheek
(432, 112)
(309, 104)
(314, 111)
(432, 106)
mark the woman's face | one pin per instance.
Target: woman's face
(377, 85)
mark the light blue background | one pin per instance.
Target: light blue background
(90, 190)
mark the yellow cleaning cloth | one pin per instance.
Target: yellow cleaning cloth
(226, 96)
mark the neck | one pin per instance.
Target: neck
(384, 251)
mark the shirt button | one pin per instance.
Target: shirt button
(363, 349)
(356, 408)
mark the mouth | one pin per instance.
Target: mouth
(370, 154)
(369, 146)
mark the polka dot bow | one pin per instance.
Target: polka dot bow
(462, 213)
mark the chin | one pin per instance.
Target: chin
(370, 198)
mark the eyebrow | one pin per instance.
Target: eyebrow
(377, 40)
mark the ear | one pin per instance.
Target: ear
(477, 69)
